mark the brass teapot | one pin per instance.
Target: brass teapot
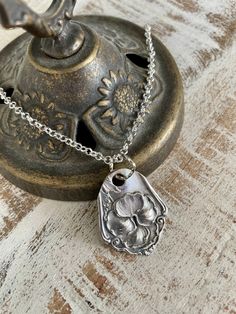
(82, 76)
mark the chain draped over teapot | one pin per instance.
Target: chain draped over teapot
(82, 76)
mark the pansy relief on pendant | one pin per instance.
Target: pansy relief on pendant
(131, 215)
(132, 220)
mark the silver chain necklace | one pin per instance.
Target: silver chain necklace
(131, 214)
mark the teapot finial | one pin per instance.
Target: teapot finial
(61, 36)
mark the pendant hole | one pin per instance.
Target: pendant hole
(118, 180)
(84, 136)
(9, 91)
(140, 61)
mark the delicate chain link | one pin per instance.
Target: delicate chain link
(122, 155)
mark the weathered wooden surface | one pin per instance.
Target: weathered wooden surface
(51, 257)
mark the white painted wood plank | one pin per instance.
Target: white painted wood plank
(51, 257)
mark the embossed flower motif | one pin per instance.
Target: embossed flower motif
(121, 98)
(119, 40)
(10, 68)
(44, 111)
(132, 220)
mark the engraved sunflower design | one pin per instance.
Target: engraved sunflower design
(132, 221)
(121, 99)
(45, 112)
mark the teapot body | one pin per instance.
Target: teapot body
(91, 96)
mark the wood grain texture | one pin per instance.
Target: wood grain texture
(51, 257)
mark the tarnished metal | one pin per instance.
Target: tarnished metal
(61, 37)
(90, 96)
(142, 110)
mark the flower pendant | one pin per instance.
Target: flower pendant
(131, 214)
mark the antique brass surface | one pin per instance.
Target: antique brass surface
(90, 96)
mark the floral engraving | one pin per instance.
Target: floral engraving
(132, 220)
(111, 117)
(121, 40)
(32, 139)
(132, 215)
(121, 98)
(9, 67)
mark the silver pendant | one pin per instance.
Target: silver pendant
(131, 214)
